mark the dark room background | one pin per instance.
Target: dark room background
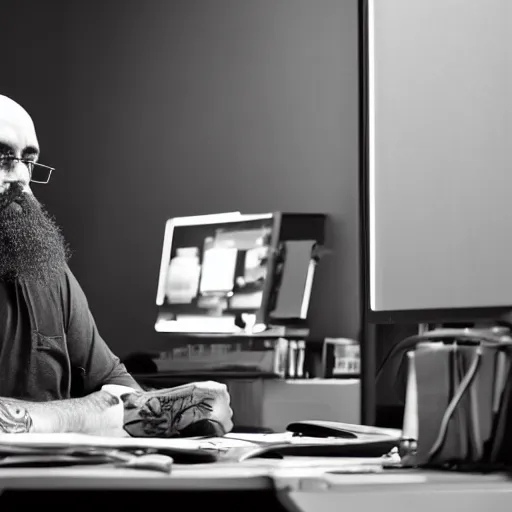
(163, 108)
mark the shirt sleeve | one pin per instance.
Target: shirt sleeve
(89, 354)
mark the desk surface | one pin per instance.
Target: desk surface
(320, 475)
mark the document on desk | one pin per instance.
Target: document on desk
(232, 447)
(67, 441)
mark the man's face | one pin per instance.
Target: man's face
(17, 140)
(31, 245)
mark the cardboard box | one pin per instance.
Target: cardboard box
(275, 403)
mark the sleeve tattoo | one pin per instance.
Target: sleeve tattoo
(14, 419)
(165, 412)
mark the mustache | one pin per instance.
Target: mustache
(13, 193)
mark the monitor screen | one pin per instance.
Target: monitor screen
(439, 160)
(215, 265)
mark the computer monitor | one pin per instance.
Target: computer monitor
(437, 165)
(236, 273)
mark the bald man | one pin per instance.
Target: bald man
(56, 372)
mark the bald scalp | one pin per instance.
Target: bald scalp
(17, 129)
(12, 112)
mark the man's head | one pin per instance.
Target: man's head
(31, 245)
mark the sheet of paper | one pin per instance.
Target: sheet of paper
(282, 437)
(218, 273)
(52, 441)
(338, 440)
(61, 441)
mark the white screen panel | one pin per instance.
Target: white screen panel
(440, 153)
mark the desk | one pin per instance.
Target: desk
(254, 485)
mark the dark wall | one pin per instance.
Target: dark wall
(157, 109)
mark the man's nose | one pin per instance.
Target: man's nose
(18, 172)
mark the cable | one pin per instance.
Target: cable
(463, 387)
(478, 337)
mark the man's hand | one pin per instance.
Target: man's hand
(167, 412)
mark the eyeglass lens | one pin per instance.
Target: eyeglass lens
(40, 174)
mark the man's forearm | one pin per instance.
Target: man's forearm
(91, 414)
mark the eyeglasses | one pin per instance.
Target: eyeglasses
(39, 173)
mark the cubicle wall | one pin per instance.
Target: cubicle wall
(439, 154)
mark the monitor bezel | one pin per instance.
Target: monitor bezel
(222, 218)
(367, 109)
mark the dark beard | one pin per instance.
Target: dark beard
(31, 244)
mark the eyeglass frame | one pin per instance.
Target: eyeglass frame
(30, 165)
